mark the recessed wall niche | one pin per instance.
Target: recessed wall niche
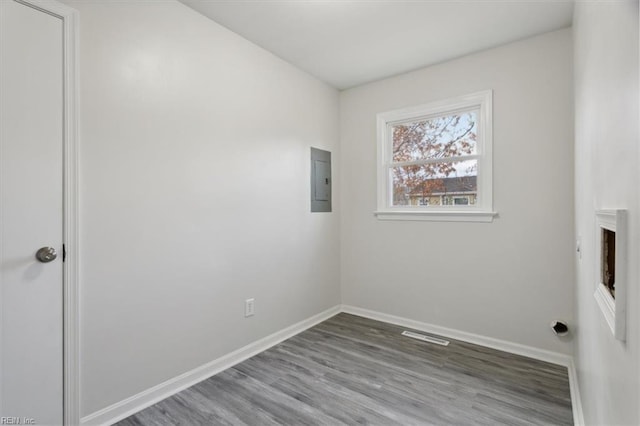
(608, 260)
(611, 266)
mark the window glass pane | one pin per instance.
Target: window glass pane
(440, 137)
(461, 201)
(436, 184)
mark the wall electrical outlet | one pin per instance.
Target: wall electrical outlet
(249, 307)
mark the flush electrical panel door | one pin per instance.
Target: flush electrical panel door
(322, 176)
(320, 180)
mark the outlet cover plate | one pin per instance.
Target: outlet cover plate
(249, 307)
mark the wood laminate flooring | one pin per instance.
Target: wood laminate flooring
(353, 370)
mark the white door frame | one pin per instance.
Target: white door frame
(71, 382)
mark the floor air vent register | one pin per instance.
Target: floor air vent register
(425, 338)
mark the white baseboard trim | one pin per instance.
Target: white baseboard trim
(144, 399)
(576, 401)
(490, 342)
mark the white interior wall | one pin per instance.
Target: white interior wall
(195, 196)
(606, 159)
(507, 279)
(194, 173)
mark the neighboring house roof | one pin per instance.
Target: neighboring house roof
(460, 184)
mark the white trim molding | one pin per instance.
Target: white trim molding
(144, 399)
(71, 311)
(489, 342)
(450, 216)
(71, 413)
(482, 102)
(613, 309)
(576, 401)
(477, 339)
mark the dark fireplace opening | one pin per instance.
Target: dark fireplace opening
(608, 267)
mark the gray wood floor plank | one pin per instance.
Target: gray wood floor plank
(330, 401)
(352, 370)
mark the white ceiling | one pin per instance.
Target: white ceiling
(350, 42)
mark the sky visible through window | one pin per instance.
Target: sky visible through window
(436, 138)
(439, 146)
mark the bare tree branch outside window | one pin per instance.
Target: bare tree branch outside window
(428, 160)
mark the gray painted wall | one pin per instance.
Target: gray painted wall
(194, 165)
(607, 162)
(185, 133)
(507, 279)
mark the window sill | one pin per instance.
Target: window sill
(437, 216)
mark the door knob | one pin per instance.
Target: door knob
(46, 254)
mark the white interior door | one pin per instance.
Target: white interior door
(31, 213)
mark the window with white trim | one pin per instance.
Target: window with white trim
(434, 161)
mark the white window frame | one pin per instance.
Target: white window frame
(482, 211)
